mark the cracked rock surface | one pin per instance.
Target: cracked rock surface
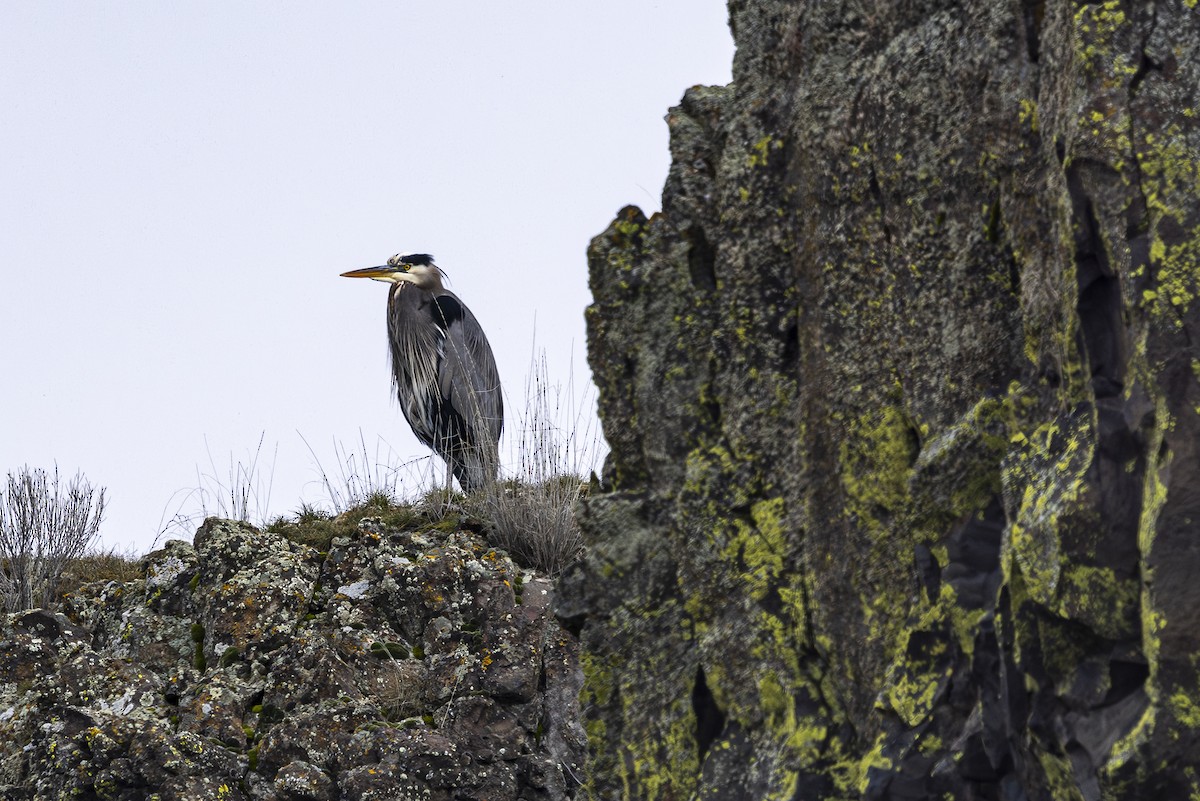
(399, 664)
(902, 392)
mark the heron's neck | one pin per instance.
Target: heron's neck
(430, 282)
(433, 282)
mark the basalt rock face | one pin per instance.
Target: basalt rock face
(901, 388)
(399, 664)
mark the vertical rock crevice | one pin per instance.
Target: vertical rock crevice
(710, 721)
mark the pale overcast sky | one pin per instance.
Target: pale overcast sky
(184, 181)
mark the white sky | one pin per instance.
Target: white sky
(183, 183)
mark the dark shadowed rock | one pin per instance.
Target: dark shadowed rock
(247, 666)
(901, 388)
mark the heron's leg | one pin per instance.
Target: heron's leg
(449, 479)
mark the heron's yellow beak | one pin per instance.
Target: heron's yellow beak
(384, 273)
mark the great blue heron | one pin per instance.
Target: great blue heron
(442, 368)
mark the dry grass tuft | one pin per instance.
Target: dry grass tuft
(399, 688)
(535, 522)
(102, 566)
(532, 514)
(244, 495)
(362, 478)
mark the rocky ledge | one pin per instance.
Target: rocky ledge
(398, 664)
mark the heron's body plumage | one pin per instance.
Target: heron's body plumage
(446, 380)
(443, 370)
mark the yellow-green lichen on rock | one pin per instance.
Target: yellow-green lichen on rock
(901, 389)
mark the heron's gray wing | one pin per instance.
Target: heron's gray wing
(467, 377)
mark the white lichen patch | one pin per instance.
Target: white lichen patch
(165, 572)
(122, 705)
(356, 590)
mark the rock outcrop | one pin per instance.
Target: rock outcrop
(398, 664)
(901, 388)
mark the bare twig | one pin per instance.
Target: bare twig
(43, 526)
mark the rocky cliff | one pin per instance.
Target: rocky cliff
(901, 388)
(408, 660)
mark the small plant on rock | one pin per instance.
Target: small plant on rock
(244, 495)
(44, 525)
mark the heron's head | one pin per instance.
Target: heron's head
(413, 268)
